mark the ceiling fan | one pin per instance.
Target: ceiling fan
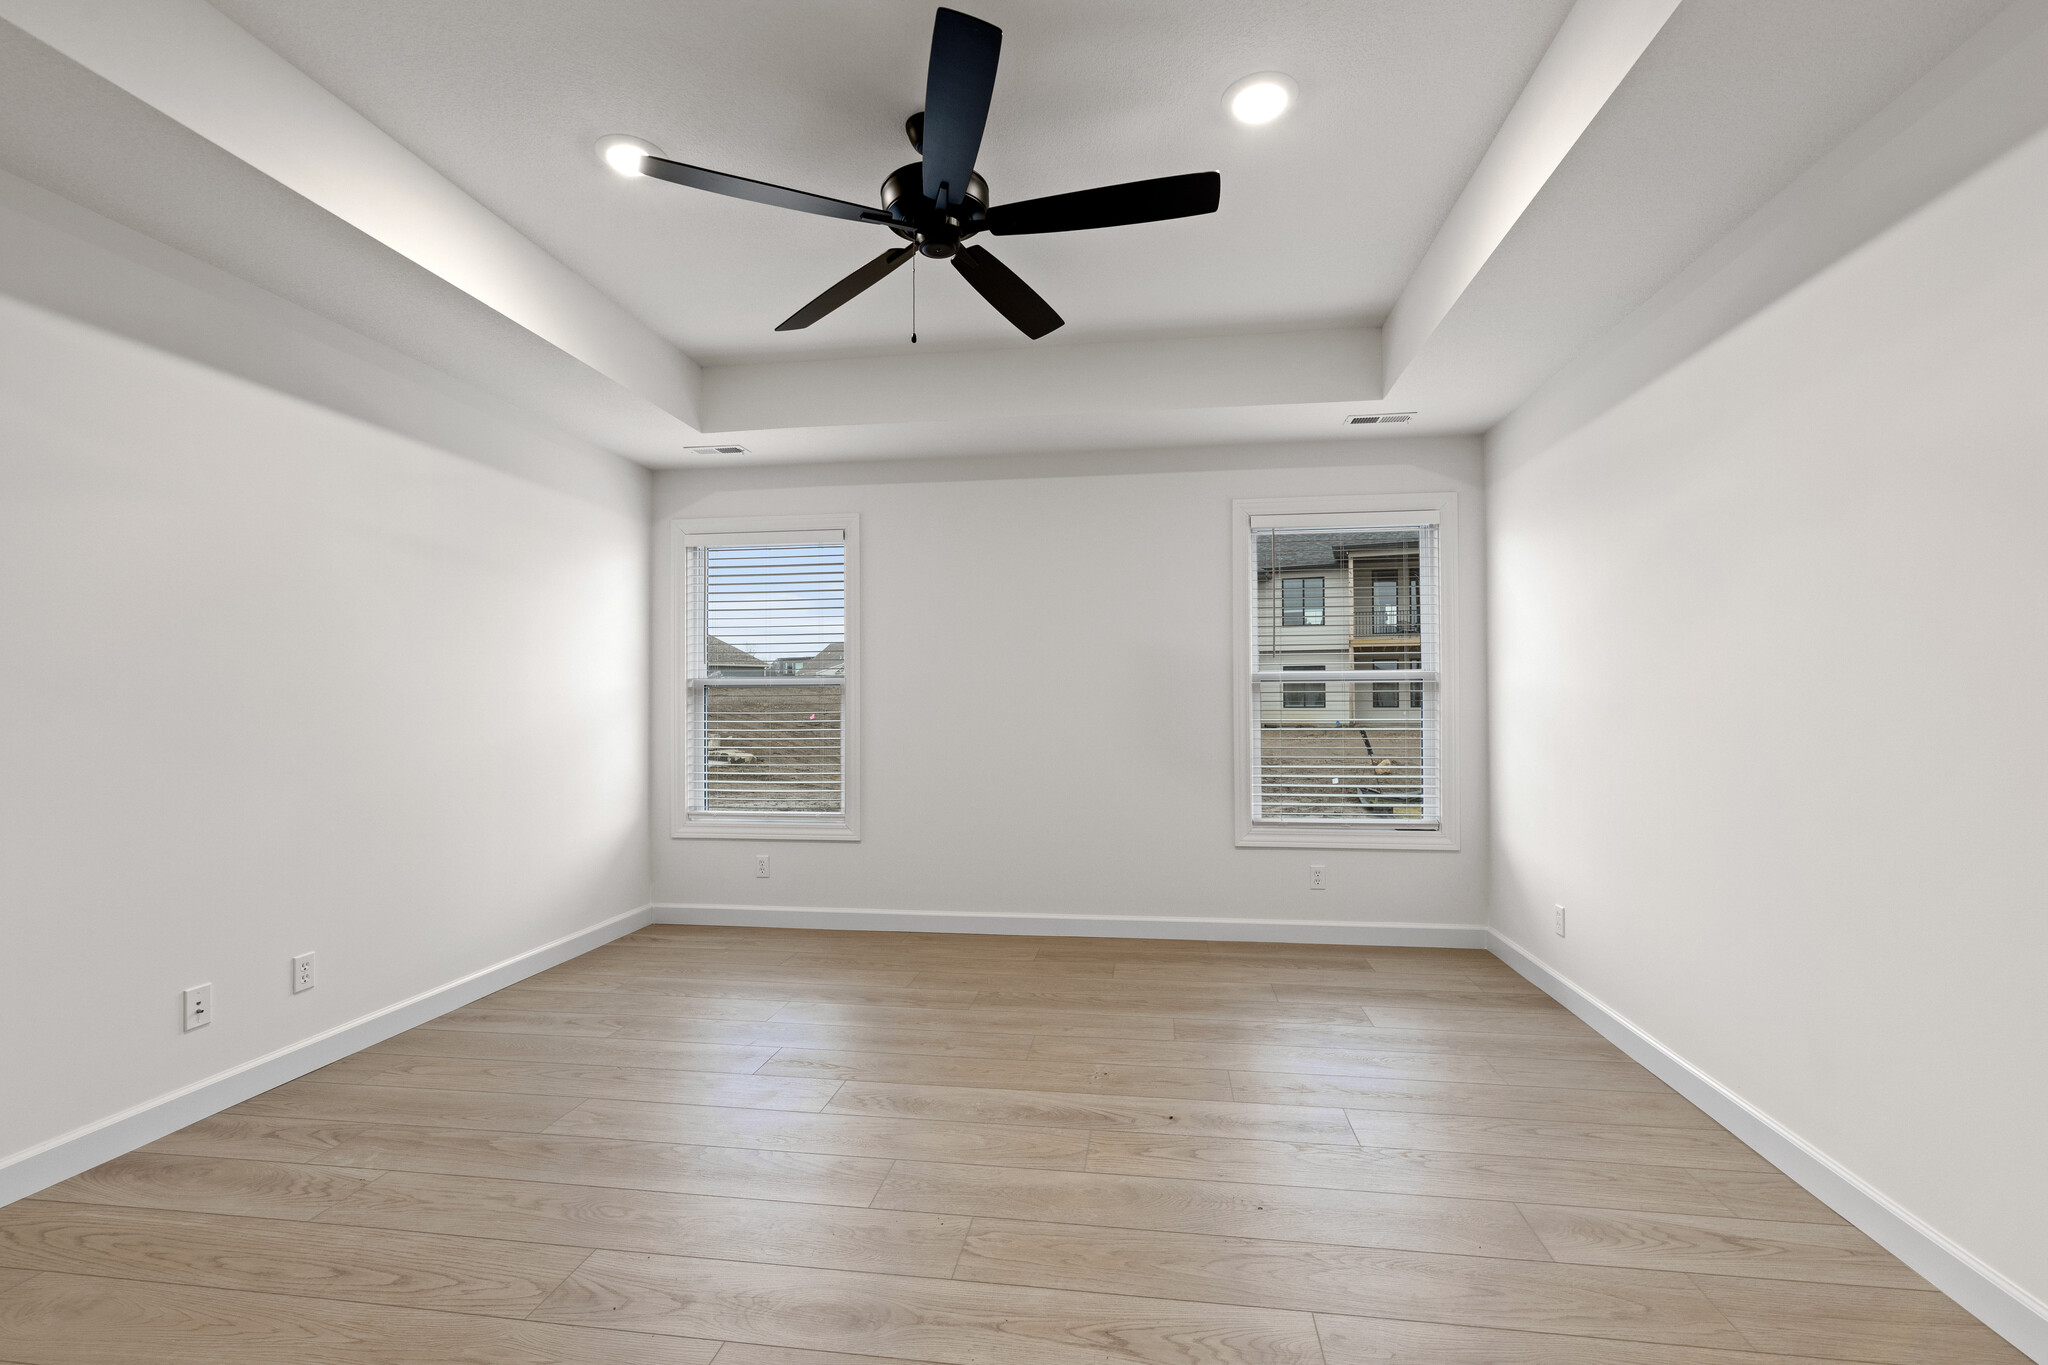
(936, 203)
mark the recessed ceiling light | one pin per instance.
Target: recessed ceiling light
(623, 153)
(1261, 98)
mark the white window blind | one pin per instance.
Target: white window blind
(1353, 601)
(766, 667)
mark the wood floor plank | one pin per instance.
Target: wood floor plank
(1476, 1021)
(528, 1047)
(84, 1320)
(904, 1318)
(1534, 1102)
(1018, 970)
(1240, 968)
(889, 1241)
(1109, 997)
(197, 1184)
(1090, 992)
(598, 968)
(1384, 955)
(830, 1134)
(743, 1353)
(1194, 1007)
(835, 941)
(1382, 1341)
(1350, 954)
(1393, 986)
(11, 1278)
(308, 1099)
(456, 1274)
(1041, 1022)
(1360, 1036)
(1749, 1247)
(1258, 1057)
(1765, 1194)
(800, 1177)
(1621, 1074)
(1646, 1145)
(1077, 1077)
(533, 998)
(1454, 1175)
(1127, 1113)
(1124, 949)
(257, 1139)
(1634, 1305)
(658, 984)
(682, 951)
(1843, 1322)
(1466, 1227)
(640, 944)
(476, 1019)
(581, 1081)
(1409, 995)
(835, 1037)
(937, 956)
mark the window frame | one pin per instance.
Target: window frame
(1383, 508)
(1295, 696)
(1321, 608)
(683, 823)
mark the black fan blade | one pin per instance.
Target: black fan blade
(760, 191)
(1140, 201)
(957, 87)
(1010, 296)
(843, 292)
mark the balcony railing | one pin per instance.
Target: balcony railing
(1386, 619)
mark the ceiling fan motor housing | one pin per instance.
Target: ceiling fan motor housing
(936, 234)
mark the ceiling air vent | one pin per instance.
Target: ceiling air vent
(1367, 419)
(718, 450)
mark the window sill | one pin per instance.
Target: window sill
(839, 832)
(1296, 836)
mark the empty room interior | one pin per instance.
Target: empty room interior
(1067, 682)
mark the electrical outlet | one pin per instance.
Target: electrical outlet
(1559, 926)
(1315, 877)
(302, 973)
(198, 1007)
(760, 864)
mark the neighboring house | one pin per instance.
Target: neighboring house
(730, 661)
(1339, 600)
(829, 662)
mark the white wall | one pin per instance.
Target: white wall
(1707, 607)
(1047, 691)
(272, 681)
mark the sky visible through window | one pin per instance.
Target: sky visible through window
(776, 601)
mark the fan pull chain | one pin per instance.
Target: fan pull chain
(913, 298)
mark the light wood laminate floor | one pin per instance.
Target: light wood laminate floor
(784, 1147)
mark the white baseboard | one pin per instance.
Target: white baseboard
(2005, 1307)
(82, 1149)
(1369, 932)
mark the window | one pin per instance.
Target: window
(1301, 601)
(1307, 696)
(1349, 589)
(767, 706)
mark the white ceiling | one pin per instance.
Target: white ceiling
(1172, 327)
(1324, 212)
